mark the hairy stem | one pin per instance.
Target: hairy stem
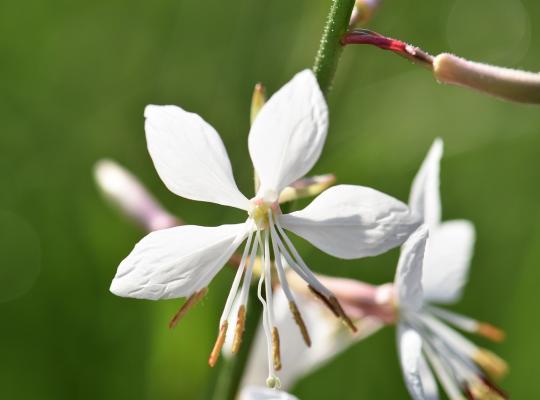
(330, 47)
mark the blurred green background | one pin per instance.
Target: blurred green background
(75, 79)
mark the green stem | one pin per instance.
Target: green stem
(227, 376)
(330, 47)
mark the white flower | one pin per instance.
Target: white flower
(435, 270)
(285, 141)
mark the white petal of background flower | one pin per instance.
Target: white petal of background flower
(176, 262)
(349, 222)
(425, 199)
(263, 393)
(287, 137)
(190, 157)
(449, 251)
(408, 281)
(410, 353)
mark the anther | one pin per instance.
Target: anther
(300, 322)
(239, 331)
(494, 388)
(188, 305)
(344, 317)
(491, 332)
(324, 299)
(276, 349)
(480, 390)
(494, 366)
(214, 355)
(333, 305)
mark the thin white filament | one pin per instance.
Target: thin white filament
(268, 279)
(462, 322)
(277, 260)
(266, 328)
(249, 273)
(309, 276)
(451, 336)
(236, 282)
(447, 381)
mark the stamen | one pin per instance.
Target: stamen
(285, 285)
(239, 331)
(299, 265)
(323, 298)
(300, 322)
(276, 349)
(214, 355)
(236, 282)
(188, 305)
(494, 388)
(481, 391)
(491, 332)
(494, 366)
(446, 379)
(333, 305)
(469, 325)
(344, 317)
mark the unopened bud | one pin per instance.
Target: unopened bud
(363, 11)
(307, 187)
(505, 83)
(257, 100)
(126, 193)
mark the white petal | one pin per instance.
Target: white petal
(425, 198)
(263, 393)
(448, 256)
(352, 221)
(431, 391)
(408, 279)
(410, 353)
(288, 135)
(176, 262)
(190, 157)
(327, 336)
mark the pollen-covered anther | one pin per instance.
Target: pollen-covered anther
(491, 332)
(214, 355)
(324, 300)
(188, 305)
(239, 331)
(344, 317)
(479, 390)
(276, 352)
(300, 322)
(494, 366)
(333, 305)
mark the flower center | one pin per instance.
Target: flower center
(259, 209)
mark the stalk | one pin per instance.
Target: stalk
(330, 47)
